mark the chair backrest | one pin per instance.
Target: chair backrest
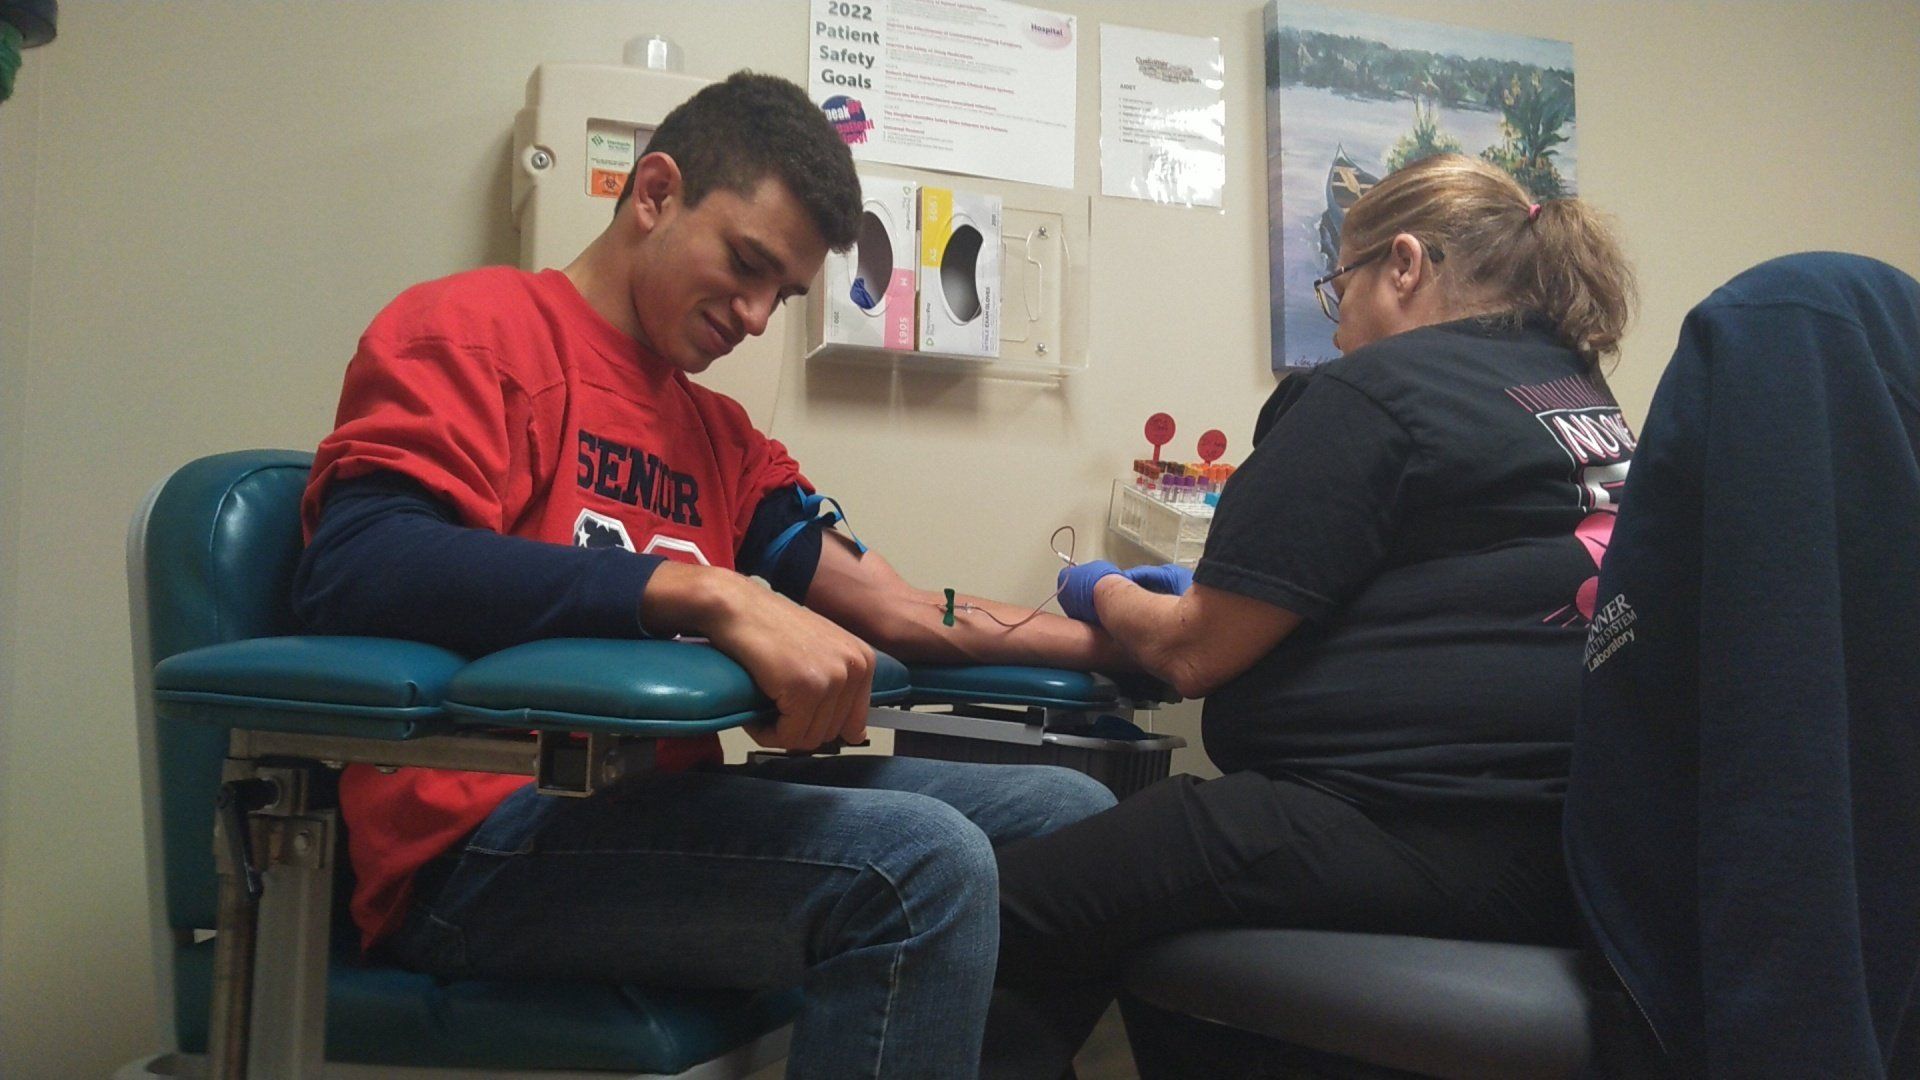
(210, 559)
(1751, 698)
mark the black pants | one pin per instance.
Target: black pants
(1245, 850)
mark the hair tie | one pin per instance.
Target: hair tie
(1533, 211)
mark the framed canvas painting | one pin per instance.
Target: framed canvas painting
(1352, 96)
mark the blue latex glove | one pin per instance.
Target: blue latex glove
(1170, 578)
(1076, 589)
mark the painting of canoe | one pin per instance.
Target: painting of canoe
(1346, 182)
(1352, 96)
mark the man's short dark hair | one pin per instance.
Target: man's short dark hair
(732, 135)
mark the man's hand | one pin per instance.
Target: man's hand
(819, 676)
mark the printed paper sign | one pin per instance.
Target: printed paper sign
(1163, 122)
(982, 87)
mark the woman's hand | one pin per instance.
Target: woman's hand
(1076, 589)
(1171, 579)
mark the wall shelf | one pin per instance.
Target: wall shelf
(948, 363)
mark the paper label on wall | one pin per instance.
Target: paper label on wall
(610, 156)
(1163, 121)
(982, 87)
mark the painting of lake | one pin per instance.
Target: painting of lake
(1353, 96)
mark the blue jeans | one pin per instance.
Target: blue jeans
(868, 881)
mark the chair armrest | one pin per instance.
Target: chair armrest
(387, 688)
(622, 687)
(1007, 684)
(380, 688)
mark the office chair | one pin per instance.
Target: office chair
(1743, 819)
(1361, 1006)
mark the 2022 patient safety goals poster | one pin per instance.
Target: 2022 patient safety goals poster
(980, 87)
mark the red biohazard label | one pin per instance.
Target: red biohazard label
(606, 183)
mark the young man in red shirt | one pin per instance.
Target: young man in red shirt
(522, 455)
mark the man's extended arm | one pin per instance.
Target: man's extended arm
(867, 596)
(389, 559)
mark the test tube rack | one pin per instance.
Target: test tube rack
(1175, 532)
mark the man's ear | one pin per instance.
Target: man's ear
(656, 188)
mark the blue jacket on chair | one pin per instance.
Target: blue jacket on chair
(1743, 819)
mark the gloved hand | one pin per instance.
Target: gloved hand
(1076, 589)
(1170, 578)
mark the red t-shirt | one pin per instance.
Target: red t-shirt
(508, 397)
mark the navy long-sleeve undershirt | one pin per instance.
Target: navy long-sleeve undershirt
(389, 559)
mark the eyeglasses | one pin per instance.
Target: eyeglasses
(1330, 300)
(1323, 287)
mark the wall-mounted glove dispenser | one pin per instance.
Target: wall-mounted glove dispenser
(1000, 285)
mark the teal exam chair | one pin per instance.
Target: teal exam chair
(244, 722)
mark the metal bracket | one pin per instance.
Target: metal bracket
(298, 842)
(569, 766)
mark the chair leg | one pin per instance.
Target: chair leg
(233, 951)
(271, 1021)
(290, 994)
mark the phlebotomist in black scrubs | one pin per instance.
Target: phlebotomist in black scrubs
(1388, 621)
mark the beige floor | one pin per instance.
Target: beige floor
(1106, 1057)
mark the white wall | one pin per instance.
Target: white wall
(202, 203)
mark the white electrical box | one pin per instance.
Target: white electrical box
(581, 130)
(583, 127)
